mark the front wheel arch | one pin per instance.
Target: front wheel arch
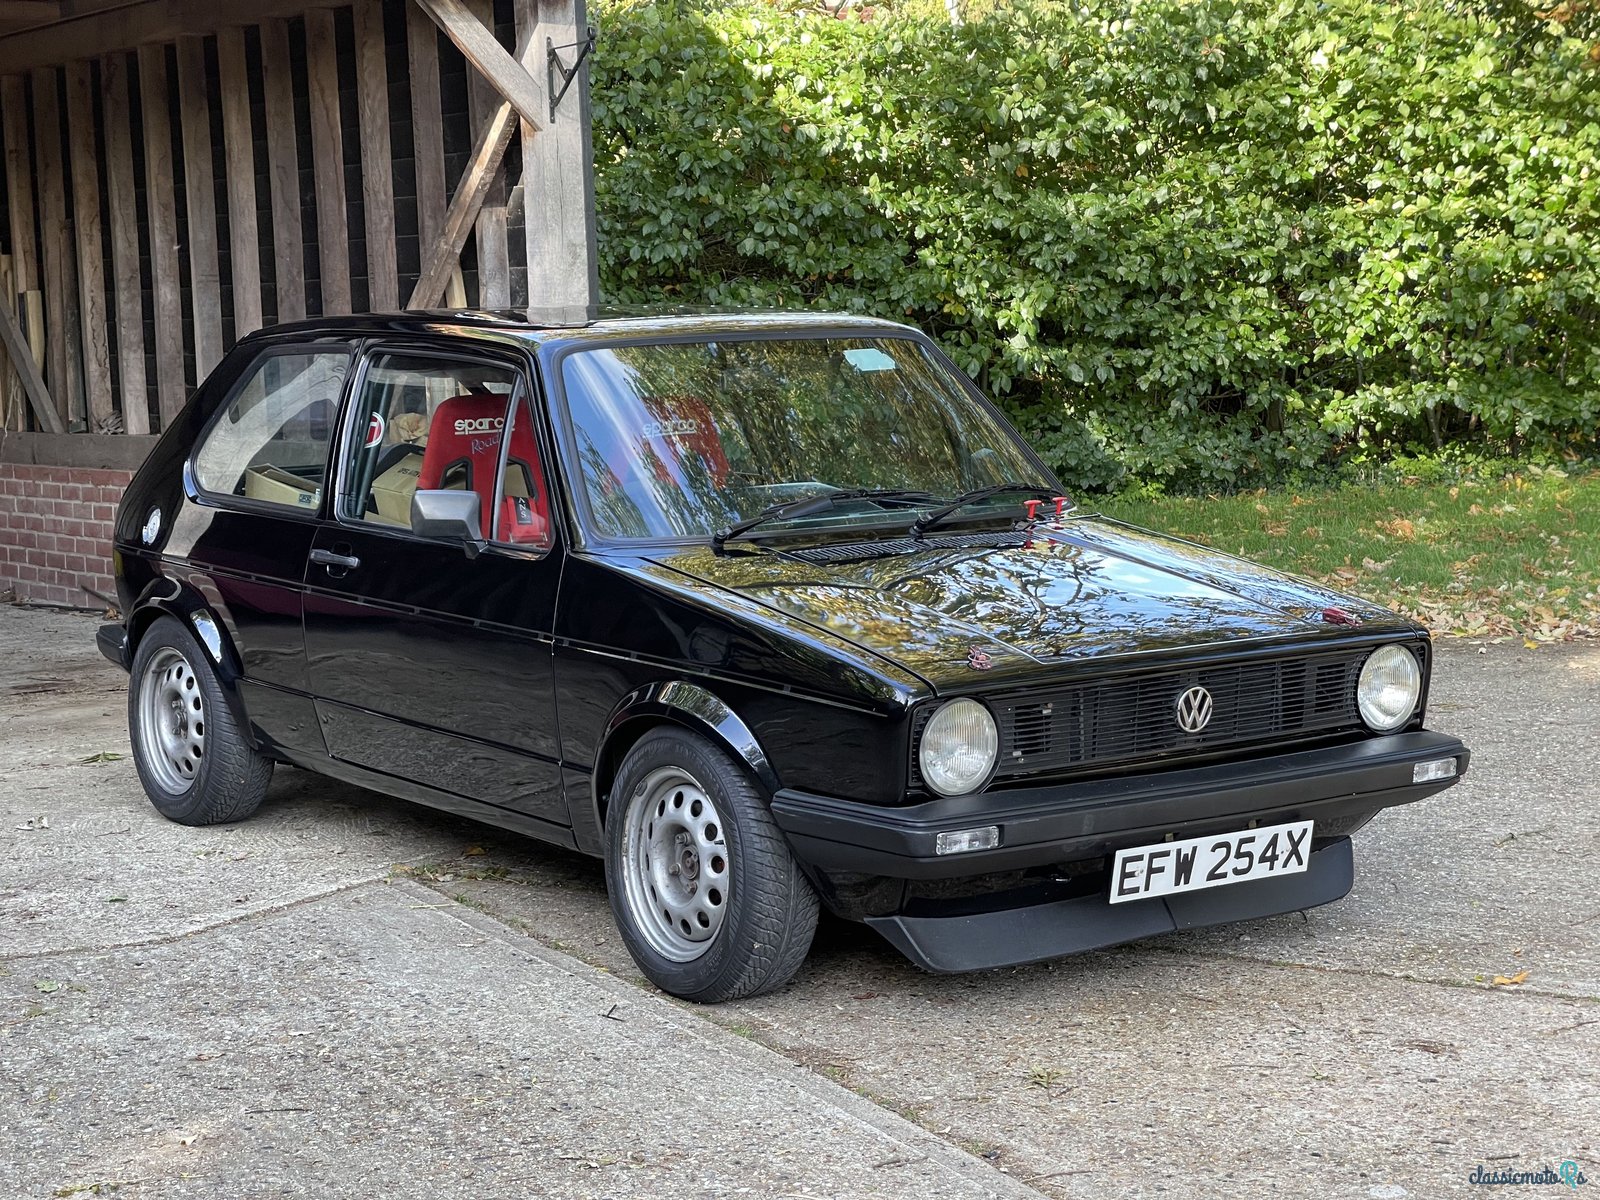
(674, 702)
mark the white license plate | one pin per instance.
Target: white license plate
(1208, 862)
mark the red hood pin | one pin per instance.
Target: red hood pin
(978, 660)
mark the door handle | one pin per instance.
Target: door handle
(328, 558)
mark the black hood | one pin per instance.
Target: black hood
(1088, 587)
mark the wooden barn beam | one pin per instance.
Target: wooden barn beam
(509, 75)
(97, 27)
(377, 159)
(165, 285)
(125, 268)
(44, 407)
(491, 237)
(238, 139)
(558, 168)
(427, 126)
(441, 258)
(19, 184)
(327, 163)
(86, 226)
(200, 196)
(283, 174)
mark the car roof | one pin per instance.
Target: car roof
(541, 325)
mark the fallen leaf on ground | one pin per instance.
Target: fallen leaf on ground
(473, 852)
(1511, 980)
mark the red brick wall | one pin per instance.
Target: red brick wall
(55, 532)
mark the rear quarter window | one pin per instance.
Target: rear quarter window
(270, 442)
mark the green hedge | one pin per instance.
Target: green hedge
(1196, 242)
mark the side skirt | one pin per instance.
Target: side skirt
(405, 789)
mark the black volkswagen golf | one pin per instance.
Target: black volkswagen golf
(768, 611)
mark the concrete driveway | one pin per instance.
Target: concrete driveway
(349, 996)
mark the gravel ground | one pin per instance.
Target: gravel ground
(1359, 1050)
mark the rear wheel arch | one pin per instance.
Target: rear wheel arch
(684, 704)
(167, 597)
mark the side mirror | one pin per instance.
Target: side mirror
(449, 516)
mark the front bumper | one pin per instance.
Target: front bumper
(1338, 788)
(1332, 786)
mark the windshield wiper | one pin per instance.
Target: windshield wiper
(815, 504)
(926, 522)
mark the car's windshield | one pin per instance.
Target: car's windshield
(684, 439)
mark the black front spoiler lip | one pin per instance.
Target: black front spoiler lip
(1009, 937)
(1067, 822)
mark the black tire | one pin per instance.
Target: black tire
(219, 777)
(765, 920)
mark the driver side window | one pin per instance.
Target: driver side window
(424, 423)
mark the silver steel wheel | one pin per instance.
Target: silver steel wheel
(675, 864)
(172, 721)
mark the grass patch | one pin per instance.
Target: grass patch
(1502, 555)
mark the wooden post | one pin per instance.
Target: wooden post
(239, 153)
(327, 161)
(53, 236)
(558, 169)
(19, 185)
(377, 162)
(283, 173)
(200, 192)
(427, 127)
(127, 284)
(91, 266)
(154, 100)
(490, 233)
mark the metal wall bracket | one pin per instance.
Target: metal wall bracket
(553, 66)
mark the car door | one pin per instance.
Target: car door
(256, 479)
(431, 660)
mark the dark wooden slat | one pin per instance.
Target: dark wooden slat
(238, 144)
(377, 183)
(427, 124)
(509, 77)
(54, 242)
(163, 225)
(44, 409)
(19, 184)
(200, 192)
(87, 228)
(283, 173)
(327, 162)
(558, 173)
(125, 267)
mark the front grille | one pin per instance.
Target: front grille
(1126, 718)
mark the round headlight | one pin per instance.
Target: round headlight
(959, 746)
(1390, 683)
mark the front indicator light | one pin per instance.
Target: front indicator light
(964, 841)
(1434, 768)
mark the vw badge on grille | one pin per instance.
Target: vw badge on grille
(1194, 710)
